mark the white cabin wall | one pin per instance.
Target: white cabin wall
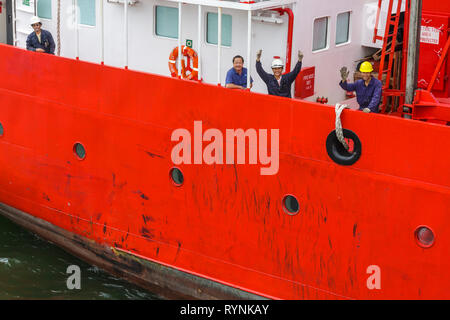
(329, 61)
(272, 39)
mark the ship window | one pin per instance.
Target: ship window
(166, 22)
(343, 28)
(212, 29)
(44, 9)
(320, 36)
(87, 12)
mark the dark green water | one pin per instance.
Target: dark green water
(32, 268)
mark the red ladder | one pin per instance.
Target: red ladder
(388, 50)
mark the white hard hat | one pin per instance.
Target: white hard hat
(277, 63)
(34, 20)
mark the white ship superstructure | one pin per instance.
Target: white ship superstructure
(142, 34)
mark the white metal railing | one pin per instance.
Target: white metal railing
(220, 4)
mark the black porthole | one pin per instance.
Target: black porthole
(338, 153)
(79, 151)
(177, 176)
(291, 205)
(1, 130)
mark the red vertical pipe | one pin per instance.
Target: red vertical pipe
(377, 21)
(282, 11)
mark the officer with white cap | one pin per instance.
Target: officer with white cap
(278, 84)
(40, 40)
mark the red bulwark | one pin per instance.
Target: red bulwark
(353, 238)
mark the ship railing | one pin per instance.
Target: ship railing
(242, 5)
(249, 6)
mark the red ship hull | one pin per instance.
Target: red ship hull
(224, 232)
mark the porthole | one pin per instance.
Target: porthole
(424, 236)
(177, 176)
(291, 205)
(79, 151)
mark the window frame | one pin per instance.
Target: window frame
(88, 26)
(327, 46)
(51, 11)
(349, 40)
(155, 21)
(205, 33)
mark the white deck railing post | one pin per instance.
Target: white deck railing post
(219, 44)
(125, 31)
(249, 46)
(180, 54)
(199, 53)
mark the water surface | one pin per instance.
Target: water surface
(32, 268)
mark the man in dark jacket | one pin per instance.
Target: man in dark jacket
(278, 84)
(40, 40)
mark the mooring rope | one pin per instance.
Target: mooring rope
(58, 28)
(339, 132)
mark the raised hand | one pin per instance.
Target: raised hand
(258, 55)
(300, 55)
(344, 73)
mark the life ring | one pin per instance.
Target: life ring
(187, 72)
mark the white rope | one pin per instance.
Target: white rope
(58, 28)
(339, 132)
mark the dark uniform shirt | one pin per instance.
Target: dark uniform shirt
(47, 43)
(284, 88)
(367, 96)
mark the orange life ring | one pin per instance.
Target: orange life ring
(187, 72)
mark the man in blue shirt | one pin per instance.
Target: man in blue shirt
(278, 84)
(40, 40)
(237, 76)
(368, 89)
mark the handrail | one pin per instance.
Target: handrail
(281, 11)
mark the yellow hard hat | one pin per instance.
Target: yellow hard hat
(366, 67)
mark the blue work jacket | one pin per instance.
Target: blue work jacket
(367, 96)
(47, 43)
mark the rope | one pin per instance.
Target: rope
(58, 28)
(339, 132)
